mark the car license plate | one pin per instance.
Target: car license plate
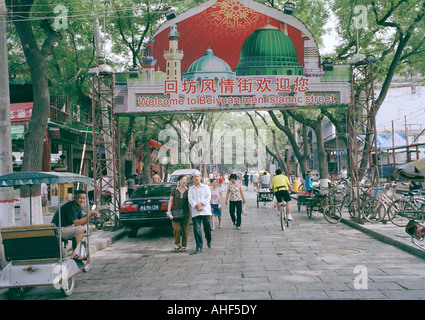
(148, 207)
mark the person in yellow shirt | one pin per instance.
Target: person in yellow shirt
(281, 188)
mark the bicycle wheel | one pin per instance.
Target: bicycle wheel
(374, 211)
(332, 214)
(352, 209)
(346, 200)
(420, 204)
(107, 219)
(283, 217)
(338, 198)
(401, 212)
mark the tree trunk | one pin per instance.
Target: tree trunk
(34, 136)
(316, 125)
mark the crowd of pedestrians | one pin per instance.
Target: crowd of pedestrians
(202, 203)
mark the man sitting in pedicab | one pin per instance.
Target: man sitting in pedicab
(72, 221)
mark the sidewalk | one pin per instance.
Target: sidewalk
(385, 232)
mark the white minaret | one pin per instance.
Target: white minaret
(173, 56)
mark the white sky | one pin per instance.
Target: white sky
(331, 39)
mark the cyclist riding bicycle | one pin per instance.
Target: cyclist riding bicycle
(281, 188)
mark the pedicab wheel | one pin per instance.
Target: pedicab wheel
(309, 209)
(258, 201)
(84, 253)
(16, 293)
(87, 265)
(332, 214)
(299, 204)
(67, 288)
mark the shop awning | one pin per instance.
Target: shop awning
(20, 112)
(17, 132)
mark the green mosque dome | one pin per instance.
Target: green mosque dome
(209, 67)
(268, 51)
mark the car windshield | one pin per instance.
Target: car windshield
(154, 190)
(174, 178)
(189, 179)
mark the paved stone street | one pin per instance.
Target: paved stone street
(311, 260)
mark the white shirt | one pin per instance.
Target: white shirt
(265, 179)
(200, 194)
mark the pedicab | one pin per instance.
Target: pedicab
(35, 253)
(302, 199)
(264, 195)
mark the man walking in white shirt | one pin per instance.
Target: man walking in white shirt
(199, 200)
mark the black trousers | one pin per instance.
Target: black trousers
(197, 232)
(236, 205)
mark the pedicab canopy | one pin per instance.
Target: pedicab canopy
(233, 55)
(32, 178)
(414, 171)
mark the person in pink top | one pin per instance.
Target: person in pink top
(215, 203)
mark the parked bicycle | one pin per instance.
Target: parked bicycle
(106, 219)
(376, 206)
(409, 207)
(325, 204)
(353, 211)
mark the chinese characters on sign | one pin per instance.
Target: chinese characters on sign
(242, 86)
(237, 93)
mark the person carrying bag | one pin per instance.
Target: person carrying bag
(178, 212)
(237, 199)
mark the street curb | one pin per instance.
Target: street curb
(104, 240)
(401, 245)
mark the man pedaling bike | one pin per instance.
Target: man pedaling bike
(282, 188)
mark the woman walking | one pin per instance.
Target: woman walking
(236, 197)
(179, 201)
(215, 203)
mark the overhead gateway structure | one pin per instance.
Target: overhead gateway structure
(234, 55)
(240, 55)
